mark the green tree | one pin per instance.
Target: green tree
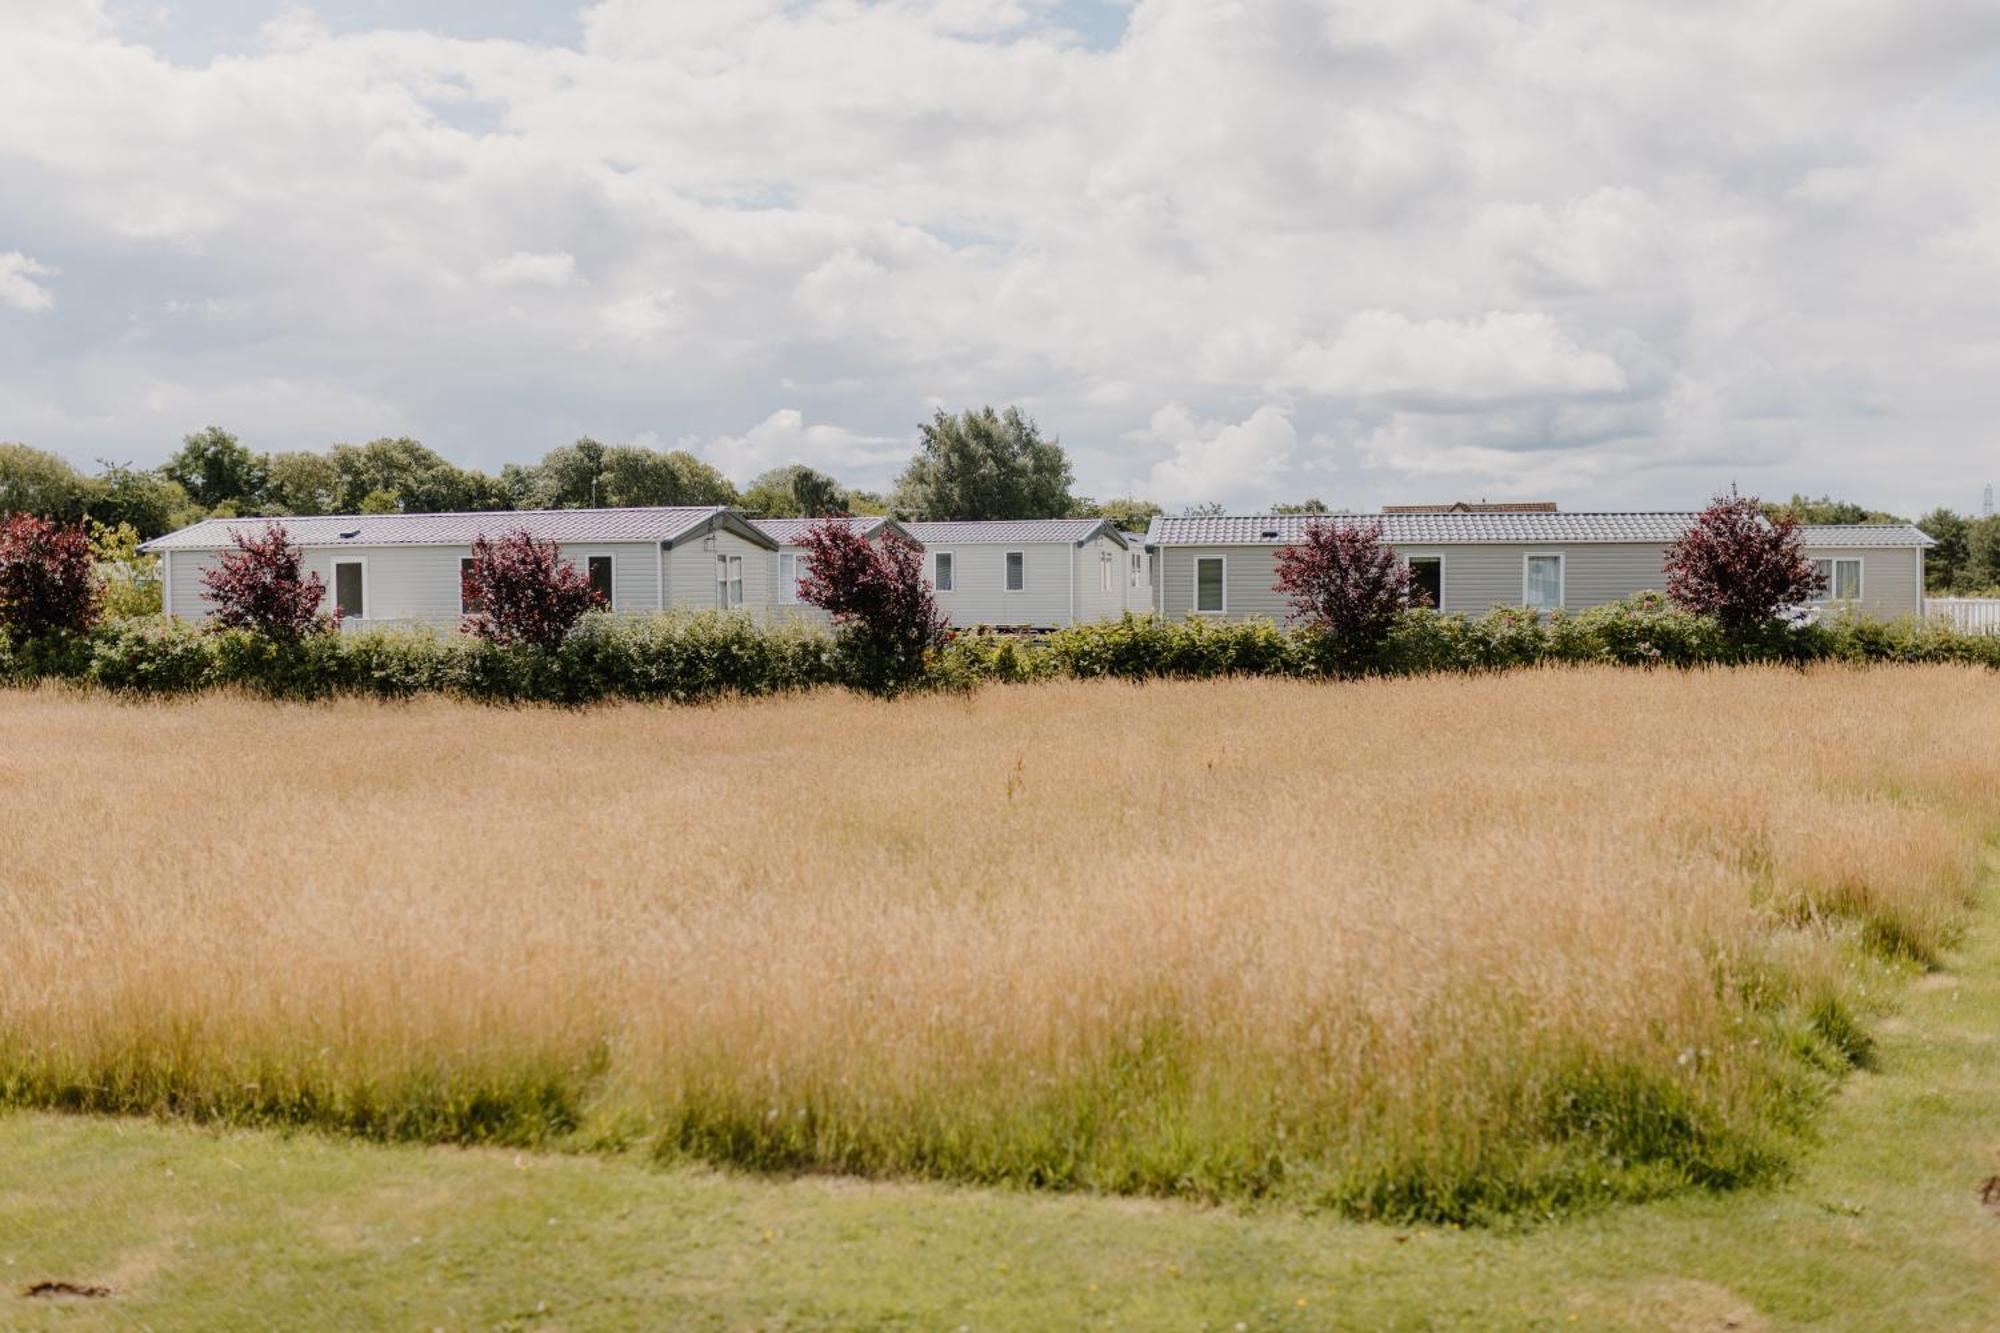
(213, 466)
(128, 580)
(637, 476)
(871, 503)
(415, 480)
(984, 465)
(301, 483)
(1826, 509)
(140, 498)
(1130, 514)
(796, 491)
(34, 481)
(1982, 550)
(569, 477)
(1313, 505)
(1945, 564)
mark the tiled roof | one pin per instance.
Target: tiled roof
(1477, 507)
(1865, 534)
(578, 526)
(789, 531)
(1010, 530)
(1425, 529)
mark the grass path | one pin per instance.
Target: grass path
(1883, 1227)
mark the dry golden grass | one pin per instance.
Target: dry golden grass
(1437, 947)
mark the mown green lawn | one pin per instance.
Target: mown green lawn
(1883, 1227)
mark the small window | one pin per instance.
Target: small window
(728, 581)
(1839, 580)
(1138, 568)
(1427, 581)
(1209, 596)
(600, 578)
(791, 573)
(466, 606)
(1105, 581)
(941, 571)
(1017, 571)
(350, 589)
(1542, 582)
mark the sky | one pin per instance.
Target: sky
(1608, 252)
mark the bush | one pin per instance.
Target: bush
(154, 655)
(1345, 583)
(521, 591)
(48, 580)
(1738, 566)
(886, 622)
(260, 586)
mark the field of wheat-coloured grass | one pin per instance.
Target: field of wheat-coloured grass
(1446, 948)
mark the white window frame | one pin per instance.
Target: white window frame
(1194, 590)
(1833, 562)
(723, 565)
(333, 586)
(1562, 578)
(1005, 556)
(1443, 573)
(1106, 580)
(463, 562)
(935, 582)
(1138, 569)
(788, 584)
(611, 600)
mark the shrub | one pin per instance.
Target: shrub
(880, 602)
(1345, 583)
(48, 580)
(260, 586)
(521, 590)
(129, 579)
(152, 655)
(1738, 566)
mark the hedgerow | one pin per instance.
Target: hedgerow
(691, 657)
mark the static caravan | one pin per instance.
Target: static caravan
(789, 559)
(1029, 573)
(1225, 565)
(404, 569)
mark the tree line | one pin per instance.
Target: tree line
(977, 464)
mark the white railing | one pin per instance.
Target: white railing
(1970, 615)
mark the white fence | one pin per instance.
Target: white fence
(1973, 615)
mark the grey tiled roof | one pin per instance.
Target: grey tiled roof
(1865, 534)
(1525, 528)
(788, 531)
(1426, 529)
(1009, 530)
(577, 526)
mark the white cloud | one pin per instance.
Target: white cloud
(18, 288)
(1588, 245)
(1244, 463)
(1506, 355)
(784, 437)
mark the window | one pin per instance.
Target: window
(1017, 570)
(1427, 579)
(1105, 581)
(942, 571)
(1138, 569)
(1208, 584)
(599, 567)
(1542, 582)
(350, 589)
(728, 581)
(465, 604)
(1840, 580)
(791, 573)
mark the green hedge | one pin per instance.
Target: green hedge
(691, 657)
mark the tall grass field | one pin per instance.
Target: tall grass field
(1448, 948)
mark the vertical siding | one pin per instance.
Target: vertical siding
(1093, 600)
(979, 595)
(1139, 599)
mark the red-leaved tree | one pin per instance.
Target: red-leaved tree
(261, 584)
(1739, 566)
(1346, 582)
(878, 597)
(48, 578)
(521, 591)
